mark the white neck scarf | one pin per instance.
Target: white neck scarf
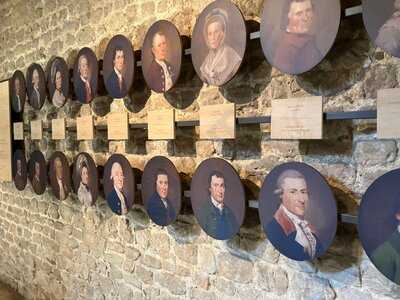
(304, 235)
(217, 204)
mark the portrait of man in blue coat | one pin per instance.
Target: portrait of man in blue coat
(289, 231)
(215, 217)
(83, 83)
(116, 199)
(116, 82)
(159, 207)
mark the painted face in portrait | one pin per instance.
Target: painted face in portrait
(215, 34)
(85, 175)
(162, 185)
(117, 175)
(17, 86)
(58, 80)
(58, 168)
(295, 195)
(84, 67)
(217, 188)
(119, 60)
(300, 17)
(160, 46)
(35, 79)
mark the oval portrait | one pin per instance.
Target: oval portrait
(162, 56)
(36, 86)
(86, 72)
(379, 224)
(20, 169)
(85, 179)
(218, 42)
(119, 184)
(298, 211)
(161, 190)
(297, 34)
(18, 91)
(382, 21)
(37, 172)
(58, 82)
(118, 66)
(218, 198)
(60, 177)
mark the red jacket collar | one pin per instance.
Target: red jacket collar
(287, 225)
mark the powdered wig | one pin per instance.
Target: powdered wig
(287, 174)
(219, 16)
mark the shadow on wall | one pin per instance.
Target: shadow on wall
(345, 63)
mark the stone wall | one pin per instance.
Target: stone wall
(60, 250)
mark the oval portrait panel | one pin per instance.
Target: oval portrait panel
(36, 86)
(298, 211)
(161, 190)
(37, 172)
(119, 184)
(218, 42)
(382, 21)
(297, 34)
(86, 72)
(118, 66)
(161, 56)
(18, 91)
(218, 198)
(58, 82)
(60, 177)
(379, 224)
(85, 179)
(20, 170)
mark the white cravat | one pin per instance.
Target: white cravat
(118, 74)
(167, 75)
(398, 228)
(217, 204)
(164, 201)
(304, 235)
(122, 200)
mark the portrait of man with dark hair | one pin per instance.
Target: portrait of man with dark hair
(36, 182)
(159, 207)
(289, 230)
(116, 83)
(296, 49)
(388, 37)
(116, 198)
(222, 61)
(60, 188)
(386, 257)
(58, 98)
(83, 84)
(161, 73)
(84, 193)
(19, 171)
(35, 99)
(215, 217)
(17, 95)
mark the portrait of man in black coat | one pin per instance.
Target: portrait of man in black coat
(116, 199)
(215, 217)
(17, 95)
(159, 207)
(83, 84)
(60, 188)
(35, 98)
(161, 74)
(116, 82)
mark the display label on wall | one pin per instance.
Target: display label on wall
(84, 128)
(5, 133)
(299, 118)
(117, 124)
(388, 105)
(58, 129)
(217, 121)
(161, 124)
(36, 130)
(18, 129)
